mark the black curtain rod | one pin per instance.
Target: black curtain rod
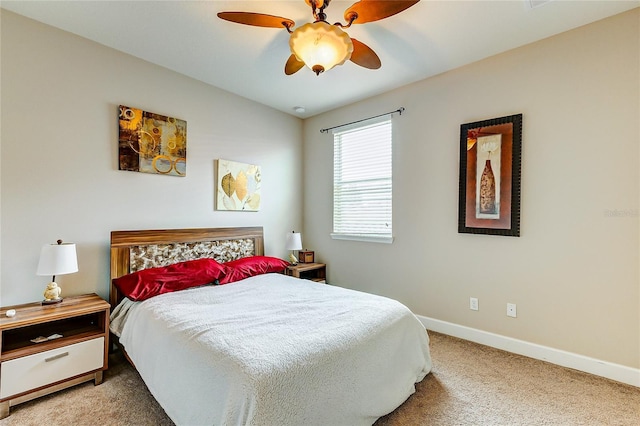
(399, 111)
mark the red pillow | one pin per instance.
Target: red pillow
(249, 266)
(150, 282)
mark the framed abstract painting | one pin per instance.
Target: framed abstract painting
(490, 175)
(151, 143)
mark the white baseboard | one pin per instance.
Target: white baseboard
(617, 372)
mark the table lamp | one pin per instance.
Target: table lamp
(56, 259)
(294, 242)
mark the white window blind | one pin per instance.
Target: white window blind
(362, 182)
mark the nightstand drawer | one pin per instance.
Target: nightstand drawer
(33, 371)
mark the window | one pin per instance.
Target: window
(362, 190)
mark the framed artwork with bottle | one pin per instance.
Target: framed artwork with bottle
(490, 173)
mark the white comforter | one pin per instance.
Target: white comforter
(275, 350)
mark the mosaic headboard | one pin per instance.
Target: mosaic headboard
(136, 250)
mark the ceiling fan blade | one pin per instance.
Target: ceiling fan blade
(364, 56)
(256, 19)
(374, 10)
(293, 65)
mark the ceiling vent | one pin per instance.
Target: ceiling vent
(532, 4)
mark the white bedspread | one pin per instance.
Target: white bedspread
(276, 350)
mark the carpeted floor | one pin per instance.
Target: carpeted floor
(470, 385)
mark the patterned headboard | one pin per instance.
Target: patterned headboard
(151, 256)
(133, 251)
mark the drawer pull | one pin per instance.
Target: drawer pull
(53, 358)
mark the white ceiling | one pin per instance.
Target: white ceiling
(427, 39)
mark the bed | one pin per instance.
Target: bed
(268, 349)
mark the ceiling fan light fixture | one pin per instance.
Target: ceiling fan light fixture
(321, 46)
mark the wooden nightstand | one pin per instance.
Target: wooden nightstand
(29, 370)
(308, 271)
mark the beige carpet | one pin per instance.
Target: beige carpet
(470, 385)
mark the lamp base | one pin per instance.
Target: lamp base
(292, 259)
(52, 301)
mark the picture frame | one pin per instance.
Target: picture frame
(238, 186)
(490, 176)
(151, 143)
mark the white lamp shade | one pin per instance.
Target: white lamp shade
(57, 259)
(320, 44)
(294, 241)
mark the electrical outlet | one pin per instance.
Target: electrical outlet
(511, 310)
(473, 303)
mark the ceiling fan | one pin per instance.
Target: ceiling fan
(320, 45)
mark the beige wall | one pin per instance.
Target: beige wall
(59, 167)
(573, 273)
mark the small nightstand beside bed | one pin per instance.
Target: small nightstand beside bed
(264, 348)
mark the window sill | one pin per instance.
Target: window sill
(384, 239)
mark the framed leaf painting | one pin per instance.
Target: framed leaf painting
(238, 186)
